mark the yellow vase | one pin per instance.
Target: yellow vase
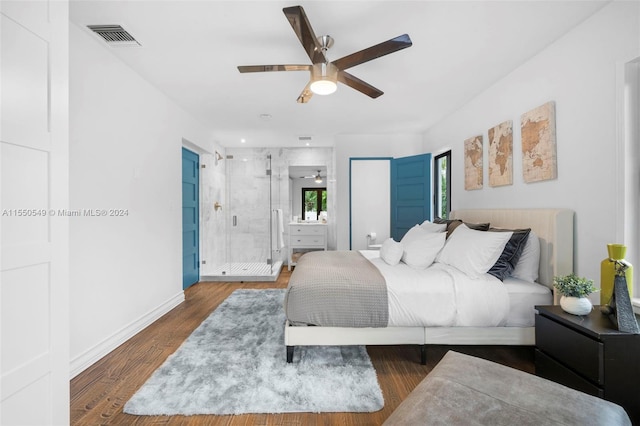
(608, 272)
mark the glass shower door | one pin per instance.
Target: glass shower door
(249, 214)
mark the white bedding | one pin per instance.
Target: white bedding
(441, 296)
(523, 296)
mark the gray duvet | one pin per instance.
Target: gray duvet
(336, 289)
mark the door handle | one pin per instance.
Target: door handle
(235, 220)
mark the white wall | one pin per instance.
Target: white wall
(125, 153)
(578, 72)
(348, 146)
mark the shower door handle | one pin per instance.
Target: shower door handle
(235, 220)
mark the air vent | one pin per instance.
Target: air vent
(114, 35)
(304, 138)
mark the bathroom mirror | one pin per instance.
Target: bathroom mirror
(308, 193)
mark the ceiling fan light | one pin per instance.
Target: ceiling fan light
(323, 87)
(318, 179)
(324, 77)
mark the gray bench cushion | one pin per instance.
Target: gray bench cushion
(464, 390)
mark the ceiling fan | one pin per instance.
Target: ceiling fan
(325, 74)
(318, 177)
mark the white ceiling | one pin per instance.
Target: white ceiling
(190, 51)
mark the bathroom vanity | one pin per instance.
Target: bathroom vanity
(306, 236)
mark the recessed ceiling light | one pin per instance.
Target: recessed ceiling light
(265, 117)
(243, 140)
(308, 144)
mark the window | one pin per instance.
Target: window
(442, 185)
(314, 201)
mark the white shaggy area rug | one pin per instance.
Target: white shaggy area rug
(235, 363)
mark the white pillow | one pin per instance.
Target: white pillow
(473, 252)
(433, 227)
(391, 251)
(420, 253)
(527, 267)
(413, 234)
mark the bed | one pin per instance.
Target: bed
(554, 230)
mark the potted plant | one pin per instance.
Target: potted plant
(575, 291)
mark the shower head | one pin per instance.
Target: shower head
(218, 157)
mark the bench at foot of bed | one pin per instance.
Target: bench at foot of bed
(463, 389)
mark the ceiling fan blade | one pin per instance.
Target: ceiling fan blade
(301, 26)
(373, 52)
(267, 68)
(361, 86)
(306, 94)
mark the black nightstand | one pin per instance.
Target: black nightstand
(588, 354)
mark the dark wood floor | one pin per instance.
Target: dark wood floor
(99, 393)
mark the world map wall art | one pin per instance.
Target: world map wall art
(538, 129)
(501, 154)
(539, 157)
(473, 163)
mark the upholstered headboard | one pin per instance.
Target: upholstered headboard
(554, 227)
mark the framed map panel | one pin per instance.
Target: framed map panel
(473, 163)
(538, 128)
(501, 154)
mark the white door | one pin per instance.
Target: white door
(34, 300)
(370, 201)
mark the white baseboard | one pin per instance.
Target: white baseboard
(92, 355)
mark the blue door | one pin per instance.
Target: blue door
(190, 211)
(410, 193)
